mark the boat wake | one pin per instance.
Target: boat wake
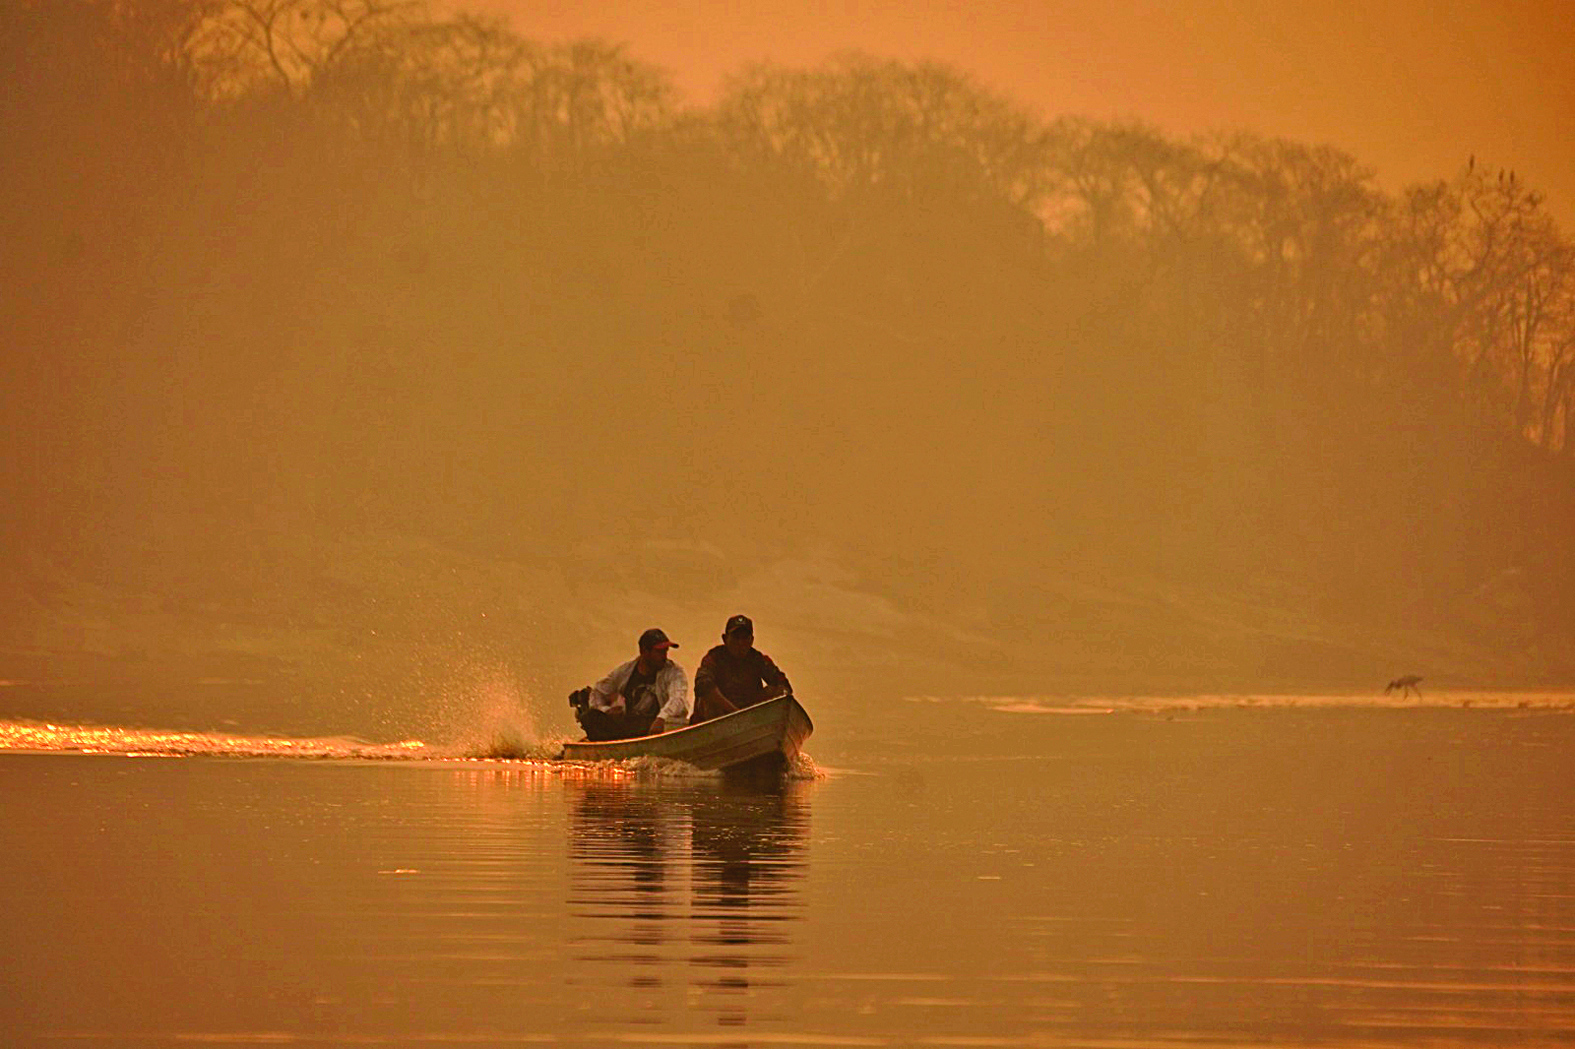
(510, 745)
(51, 737)
(801, 768)
(48, 737)
(40, 737)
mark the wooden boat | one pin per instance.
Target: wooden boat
(764, 736)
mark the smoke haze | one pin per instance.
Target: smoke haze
(361, 353)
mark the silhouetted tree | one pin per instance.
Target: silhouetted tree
(858, 125)
(288, 45)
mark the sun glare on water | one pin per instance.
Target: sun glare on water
(38, 737)
(141, 742)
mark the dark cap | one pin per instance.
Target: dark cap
(654, 638)
(739, 625)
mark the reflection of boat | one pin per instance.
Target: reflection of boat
(764, 735)
(684, 898)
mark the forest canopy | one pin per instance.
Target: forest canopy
(308, 266)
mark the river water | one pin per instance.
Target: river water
(962, 875)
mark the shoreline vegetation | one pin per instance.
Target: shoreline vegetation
(361, 348)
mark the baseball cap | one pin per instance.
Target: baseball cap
(739, 625)
(655, 638)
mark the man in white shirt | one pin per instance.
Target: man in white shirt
(643, 697)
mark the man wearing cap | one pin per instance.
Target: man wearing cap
(736, 674)
(643, 697)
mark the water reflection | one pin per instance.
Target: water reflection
(680, 898)
(1243, 878)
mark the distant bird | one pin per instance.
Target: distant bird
(1406, 685)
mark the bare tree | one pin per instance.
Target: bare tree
(1558, 366)
(289, 44)
(857, 124)
(583, 95)
(430, 85)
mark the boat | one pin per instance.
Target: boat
(762, 737)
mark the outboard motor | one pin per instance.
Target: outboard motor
(580, 700)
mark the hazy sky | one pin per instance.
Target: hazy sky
(1409, 86)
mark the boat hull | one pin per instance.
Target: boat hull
(763, 735)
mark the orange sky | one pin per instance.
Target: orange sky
(1409, 86)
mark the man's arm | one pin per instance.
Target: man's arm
(707, 689)
(777, 683)
(675, 704)
(606, 690)
(705, 677)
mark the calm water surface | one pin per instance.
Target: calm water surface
(977, 878)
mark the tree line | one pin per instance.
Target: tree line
(311, 262)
